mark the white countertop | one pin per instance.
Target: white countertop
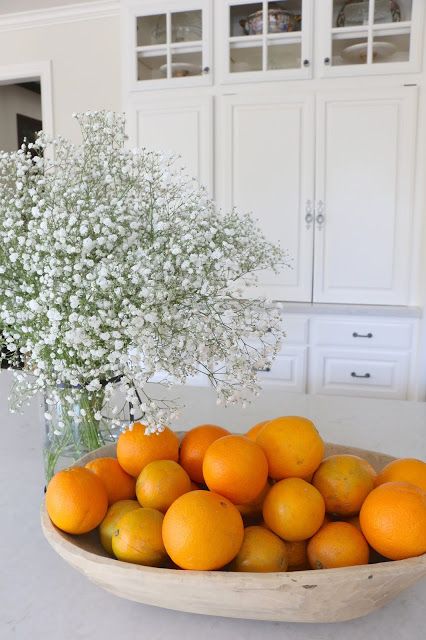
(322, 308)
(42, 598)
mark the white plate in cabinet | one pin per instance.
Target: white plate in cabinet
(359, 373)
(363, 333)
(288, 370)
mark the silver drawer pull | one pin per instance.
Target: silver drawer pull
(264, 370)
(362, 335)
(356, 375)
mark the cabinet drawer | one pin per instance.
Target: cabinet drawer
(363, 333)
(288, 370)
(296, 330)
(360, 373)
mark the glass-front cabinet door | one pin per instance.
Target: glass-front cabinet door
(169, 43)
(266, 40)
(370, 36)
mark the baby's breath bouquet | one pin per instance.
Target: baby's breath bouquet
(114, 267)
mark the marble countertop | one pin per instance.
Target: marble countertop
(42, 598)
(318, 308)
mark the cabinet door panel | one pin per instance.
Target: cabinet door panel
(365, 171)
(267, 168)
(182, 127)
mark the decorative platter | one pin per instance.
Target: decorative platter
(328, 595)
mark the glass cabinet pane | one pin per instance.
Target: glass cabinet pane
(246, 19)
(391, 48)
(247, 58)
(350, 13)
(391, 11)
(151, 30)
(152, 65)
(349, 50)
(187, 26)
(186, 63)
(284, 16)
(284, 55)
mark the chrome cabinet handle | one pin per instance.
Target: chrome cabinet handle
(356, 375)
(263, 370)
(320, 218)
(362, 335)
(309, 214)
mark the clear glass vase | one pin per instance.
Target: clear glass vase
(76, 422)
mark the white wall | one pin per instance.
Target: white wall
(13, 100)
(12, 6)
(85, 58)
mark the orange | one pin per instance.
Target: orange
(202, 531)
(235, 467)
(138, 538)
(344, 482)
(76, 500)
(252, 512)
(255, 430)
(337, 544)
(160, 483)
(118, 484)
(293, 509)
(135, 449)
(297, 555)
(292, 445)
(404, 470)
(109, 523)
(261, 551)
(194, 446)
(393, 519)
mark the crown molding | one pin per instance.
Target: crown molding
(59, 15)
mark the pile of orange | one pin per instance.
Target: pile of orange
(266, 501)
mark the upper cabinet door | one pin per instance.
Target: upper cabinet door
(264, 40)
(364, 190)
(266, 166)
(363, 37)
(181, 126)
(167, 44)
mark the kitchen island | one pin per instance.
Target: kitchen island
(42, 598)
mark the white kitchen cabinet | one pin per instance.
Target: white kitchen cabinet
(264, 40)
(369, 36)
(365, 167)
(167, 44)
(182, 126)
(267, 168)
(351, 167)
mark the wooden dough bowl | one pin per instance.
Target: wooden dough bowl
(328, 595)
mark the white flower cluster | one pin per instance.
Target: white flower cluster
(114, 266)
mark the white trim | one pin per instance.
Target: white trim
(34, 71)
(58, 15)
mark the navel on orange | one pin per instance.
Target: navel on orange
(292, 445)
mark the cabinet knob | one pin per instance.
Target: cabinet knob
(309, 214)
(320, 217)
(327, 61)
(206, 70)
(306, 63)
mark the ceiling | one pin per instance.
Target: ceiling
(13, 6)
